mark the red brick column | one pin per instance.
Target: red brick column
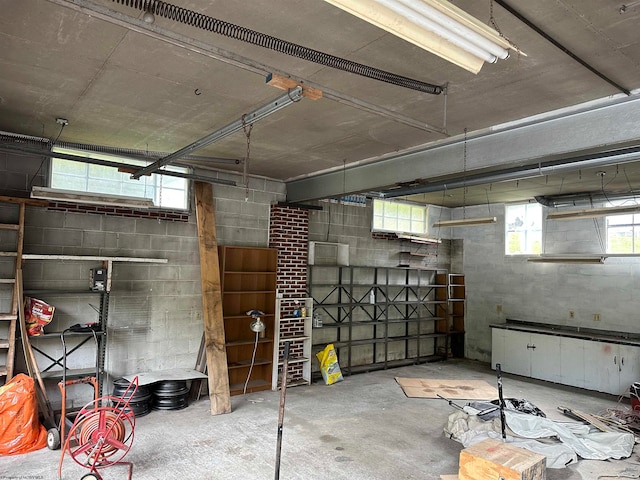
(289, 233)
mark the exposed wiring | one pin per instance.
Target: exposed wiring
(253, 360)
(33, 178)
(245, 170)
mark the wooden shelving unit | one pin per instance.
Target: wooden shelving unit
(297, 330)
(456, 293)
(248, 282)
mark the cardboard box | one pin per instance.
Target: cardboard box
(494, 460)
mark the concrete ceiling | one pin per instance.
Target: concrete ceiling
(136, 89)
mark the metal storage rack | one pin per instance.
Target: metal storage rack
(380, 317)
(50, 362)
(42, 344)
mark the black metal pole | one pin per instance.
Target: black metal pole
(502, 419)
(283, 394)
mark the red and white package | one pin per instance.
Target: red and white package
(37, 314)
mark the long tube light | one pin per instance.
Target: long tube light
(436, 26)
(570, 259)
(593, 212)
(103, 199)
(292, 96)
(419, 239)
(466, 222)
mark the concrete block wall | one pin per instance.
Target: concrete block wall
(155, 313)
(545, 293)
(351, 225)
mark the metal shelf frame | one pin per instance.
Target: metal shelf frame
(379, 307)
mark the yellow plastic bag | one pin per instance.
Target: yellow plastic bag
(329, 365)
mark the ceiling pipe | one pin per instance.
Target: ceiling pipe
(292, 96)
(603, 159)
(21, 149)
(558, 45)
(132, 153)
(583, 199)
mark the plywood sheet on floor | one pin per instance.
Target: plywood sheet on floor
(450, 389)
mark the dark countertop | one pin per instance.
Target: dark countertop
(593, 335)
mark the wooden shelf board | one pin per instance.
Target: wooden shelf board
(294, 360)
(295, 383)
(237, 343)
(294, 338)
(245, 292)
(252, 386)
(249, 272)
(247, 363)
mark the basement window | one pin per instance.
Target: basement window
(389, 216)
(165, 191)
(623, 233)
(523, 229)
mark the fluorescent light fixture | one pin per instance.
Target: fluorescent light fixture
(436, 26)
(571, 259)
(418, 238)
(466, 222)
(593, 212)
(89, 198)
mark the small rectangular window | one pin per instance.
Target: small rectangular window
(389, 216)
(165, 191)
(623, 234)
(523, 229)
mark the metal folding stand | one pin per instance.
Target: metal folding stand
(56, 435)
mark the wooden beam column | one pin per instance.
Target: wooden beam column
(212, 301)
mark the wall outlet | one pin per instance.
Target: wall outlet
(499, 308)
(572, 314)
(596, 317)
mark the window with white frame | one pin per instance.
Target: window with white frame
(623, 233)
(523, 229)
(165, 191)
(390, 216)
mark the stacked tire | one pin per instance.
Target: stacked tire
(139, 402)
(170, 395)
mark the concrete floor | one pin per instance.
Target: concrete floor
(361, 429)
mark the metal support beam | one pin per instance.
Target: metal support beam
(292, 96)
(167, 36)
(21, 149)
(579, 137)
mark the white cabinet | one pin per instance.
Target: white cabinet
(497, 346)
(580, 362)
(293, 324)
(611, 367)
(572, 362)
(527, 354)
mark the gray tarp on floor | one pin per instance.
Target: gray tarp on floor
(560, 442)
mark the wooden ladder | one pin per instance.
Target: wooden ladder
(10, 318)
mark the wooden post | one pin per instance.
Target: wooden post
(212, 301)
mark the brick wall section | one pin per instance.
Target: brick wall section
(289, 233)
(169, 215)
